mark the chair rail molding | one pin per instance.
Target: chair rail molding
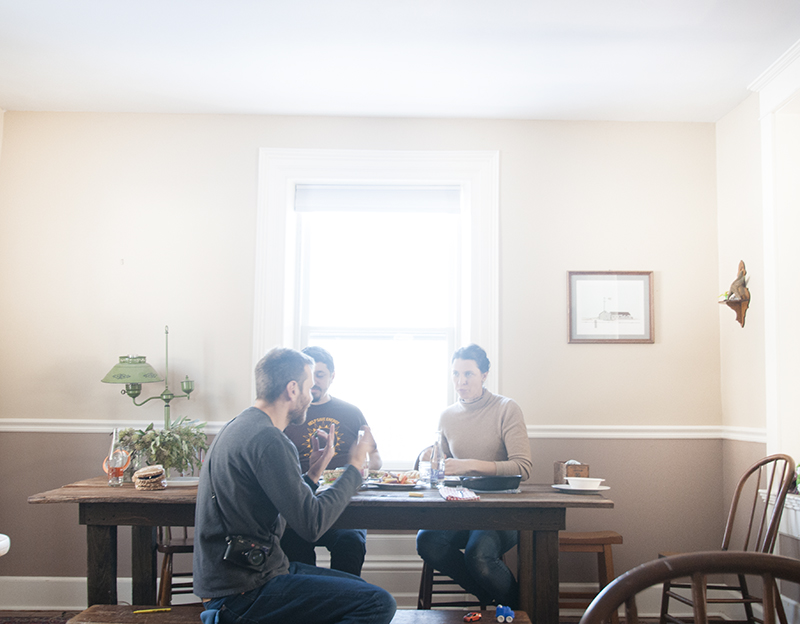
(632, 432)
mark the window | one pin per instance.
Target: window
(372, 256)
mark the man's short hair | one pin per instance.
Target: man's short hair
(277, 369)
(320, 355)
(473, 352)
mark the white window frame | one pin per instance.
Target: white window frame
(280, 170)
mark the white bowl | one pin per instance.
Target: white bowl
(584, 483)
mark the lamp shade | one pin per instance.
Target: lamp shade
(132, 369)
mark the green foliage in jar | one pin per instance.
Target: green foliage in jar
(179, 447)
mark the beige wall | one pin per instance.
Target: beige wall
(758, 194)
(787, 253)
(116, 225)
(112, 226)
(739, 206)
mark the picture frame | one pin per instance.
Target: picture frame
(610, 307)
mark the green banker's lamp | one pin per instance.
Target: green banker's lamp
(133, 371)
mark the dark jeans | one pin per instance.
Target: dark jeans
(473, 559)
(310, 595)
(347, 547)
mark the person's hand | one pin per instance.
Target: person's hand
(360, 450)
(319, 458)
(453, 466)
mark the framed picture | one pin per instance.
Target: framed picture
(611, 306)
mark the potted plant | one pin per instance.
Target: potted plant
(178, 446)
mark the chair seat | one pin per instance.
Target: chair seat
(185, 547)
(588, 538)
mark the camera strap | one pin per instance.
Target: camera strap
(272, 530)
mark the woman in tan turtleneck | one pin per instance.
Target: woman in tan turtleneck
(482, 434)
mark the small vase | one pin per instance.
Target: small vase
(137, 461)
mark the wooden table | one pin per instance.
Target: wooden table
(538, 512)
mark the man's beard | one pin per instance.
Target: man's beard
(297, 416)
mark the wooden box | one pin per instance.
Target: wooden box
(562, 470)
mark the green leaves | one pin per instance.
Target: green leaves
(179, 447)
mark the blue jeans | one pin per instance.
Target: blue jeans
(347, 547)
(311, 595)
(479, 569)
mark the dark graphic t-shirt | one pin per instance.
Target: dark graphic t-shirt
(348, 420)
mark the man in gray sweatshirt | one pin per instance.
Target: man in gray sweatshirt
(250, 486)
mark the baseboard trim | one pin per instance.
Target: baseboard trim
(51, 593)
(55, 593)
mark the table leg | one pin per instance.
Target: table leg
(143, 564)
(527, 584)
(101, 564)
(545, 574)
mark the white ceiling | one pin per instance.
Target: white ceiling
(661, 60)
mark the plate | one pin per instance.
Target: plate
(396, 486)
(183, 481)
(330, 476)
(565, 487)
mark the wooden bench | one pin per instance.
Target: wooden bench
(124, 614)
(190, 614)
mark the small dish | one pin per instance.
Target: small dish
(567, 488)
(584, 483)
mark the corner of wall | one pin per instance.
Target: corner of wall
(740, 230)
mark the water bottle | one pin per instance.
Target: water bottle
(116, 462)
(365, 466)
(437, 461)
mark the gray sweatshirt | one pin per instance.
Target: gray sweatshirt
(255, 473)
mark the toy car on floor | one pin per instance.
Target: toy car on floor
(504, 614)
(472, 616)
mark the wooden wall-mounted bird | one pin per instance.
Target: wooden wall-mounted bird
(738, 297)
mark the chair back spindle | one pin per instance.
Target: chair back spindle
(776, 473)
(696, 566)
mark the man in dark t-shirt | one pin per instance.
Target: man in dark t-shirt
(347, 546)
(347, 418)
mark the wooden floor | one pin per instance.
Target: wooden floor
(65, 615)
(38, 615)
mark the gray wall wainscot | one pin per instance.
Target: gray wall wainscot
(668, 495)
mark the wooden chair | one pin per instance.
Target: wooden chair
(439, 590)
(697, 566)
(170, 545)
(434, 583)
(757, 523)
(589, 542)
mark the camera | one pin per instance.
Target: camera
(245, 552)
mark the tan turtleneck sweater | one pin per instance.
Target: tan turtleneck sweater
(492, 429)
